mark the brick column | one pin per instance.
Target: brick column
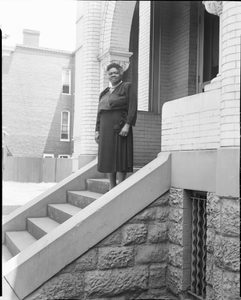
(230, 66)
(87, 80)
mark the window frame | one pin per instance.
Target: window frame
(69, 84)
(59, 156)
(48, 155)
(61, 124)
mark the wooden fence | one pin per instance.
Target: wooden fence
(32, 169)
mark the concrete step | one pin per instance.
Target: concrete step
(82, 199)
(101, 185)
(62, 212)
(6, 255)
(17, 241)
(38, 227)
(98, 185)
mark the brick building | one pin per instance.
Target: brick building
(38, 98)
(183, 58)
(173, 226)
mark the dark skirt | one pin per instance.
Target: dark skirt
(115, 152)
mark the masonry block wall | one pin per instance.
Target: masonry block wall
(230, 68)
(33, 100)
(129, 263)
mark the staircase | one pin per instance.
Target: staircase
(36, 236)
(56, 214)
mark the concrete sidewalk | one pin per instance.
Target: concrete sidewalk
(15, 194)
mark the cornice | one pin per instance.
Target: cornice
(113, 52)
(7, 50)
(48, 50)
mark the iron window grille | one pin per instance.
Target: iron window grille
(199, 250)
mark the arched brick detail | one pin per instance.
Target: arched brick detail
(121, 28)
(108, 8)
(116, 19)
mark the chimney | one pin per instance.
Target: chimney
(31, 37)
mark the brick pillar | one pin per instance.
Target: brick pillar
(87, 79)
(144, 55)
(230, 66)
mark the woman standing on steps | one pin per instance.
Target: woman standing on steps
(117, 113)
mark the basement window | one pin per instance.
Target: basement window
(198, 250)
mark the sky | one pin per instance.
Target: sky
(55, 19)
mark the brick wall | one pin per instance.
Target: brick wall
(32, 101)
(165, 50)
(193, 33)
(179, 49)
(223, 242)
(230, 60)
(192, 123)
(131, 262)
(147, 138)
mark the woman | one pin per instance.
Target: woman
(117, 113)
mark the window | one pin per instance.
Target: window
(63, 156)
(66, 81)
(45, 155)
(65, 121)
(199, 249)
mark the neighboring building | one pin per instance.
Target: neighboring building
(38, 98)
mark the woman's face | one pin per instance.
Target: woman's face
(114, 76)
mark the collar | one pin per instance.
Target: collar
(116, 85)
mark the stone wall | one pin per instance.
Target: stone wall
(223, 246)
(131, 263)
(223, 233)
(179, 236)
(149, 257)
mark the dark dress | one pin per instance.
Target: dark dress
(115, 153)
